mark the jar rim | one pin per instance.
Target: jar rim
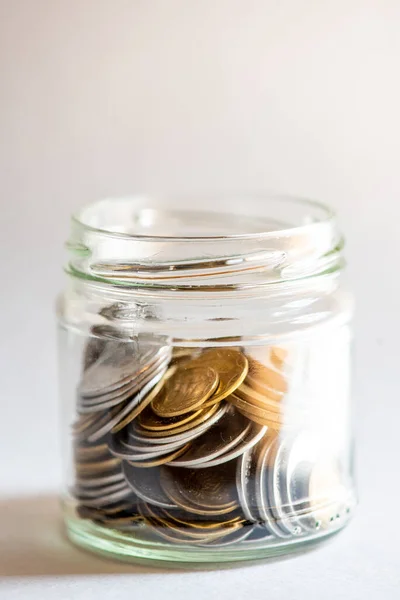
(316, 214)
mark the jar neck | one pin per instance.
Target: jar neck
(128, 248)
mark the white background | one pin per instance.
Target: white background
(103, 97)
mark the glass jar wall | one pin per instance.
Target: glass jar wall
(205, 379)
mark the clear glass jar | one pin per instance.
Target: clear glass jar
(205, 373)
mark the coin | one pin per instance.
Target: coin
(117, 366)
(175, 538)
(158, 460)
(276, 426)
(120, 418)
(261, 486)
(187, 532)
(132, 451)
(265, 380)
(108, 498)
(245, 481)
(89, 482)
(174, 493)
(146, 485)
(122, 523)
(98, 403)
(241, 534)
(250, 409)
(187, 389)
(244, 392)
(89, 452)
(277, 482)
(149, 420)
(217, 440)
(116, 508)
(231, 366)
(96, 467)
(252, 437)
(216, 523)
(206, 488)
(93, 350)
(96, 422)
(98, 492)
(278, 356)
(185, 433)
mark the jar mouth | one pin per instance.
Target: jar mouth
(246, 216)
(231, 243)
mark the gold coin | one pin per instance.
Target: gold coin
(203, 416)
(200, 524)
(158, 388)
(278, 356)
(256, 399)
(159, 460)
(187, 389)
(149, 420)
(169, 535)
(231, 366)
(251, 409)
(265, 380)
(188, 532)
(265, 422)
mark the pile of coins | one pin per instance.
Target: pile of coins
(186, 444)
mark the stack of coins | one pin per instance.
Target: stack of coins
(188, 443)
(260, 396)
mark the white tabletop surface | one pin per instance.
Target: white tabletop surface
(105, 97)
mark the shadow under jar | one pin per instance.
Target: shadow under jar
(204, 369)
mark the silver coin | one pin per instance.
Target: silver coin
(84, 407)
(146, 485)
(108, 498)
(219, 439)
(83, 493)
(96, 423)
(297, 496)
(157, 451)
(245, 481)
(261, 488)
(93, 482)
(136, 400)
(117, 366)
(131, 385)
(136, 434)
(253, 436)
(90, 406)
(276, 486)
(92, 352)
(297, 462)
(140, 452)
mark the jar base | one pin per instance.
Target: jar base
(135, 548)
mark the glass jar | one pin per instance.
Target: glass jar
(204, 374)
